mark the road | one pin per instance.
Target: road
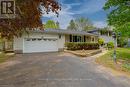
(57, 70)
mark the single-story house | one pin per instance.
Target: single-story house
(50, 40)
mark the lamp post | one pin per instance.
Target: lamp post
(115, 36)
(115, 45)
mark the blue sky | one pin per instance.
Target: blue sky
(72, 9)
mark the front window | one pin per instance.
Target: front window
(75, 38)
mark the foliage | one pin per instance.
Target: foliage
(126, 67)
(110, 45)
(28, 14)
(81, 24)
(122, 41)
(81, 46)
(72, 25)
(51, 24)
(101, 41)
(119, 15)
(124, 29)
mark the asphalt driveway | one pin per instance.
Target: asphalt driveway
(56, 70)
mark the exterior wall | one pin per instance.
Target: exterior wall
(107, 38)
(61, 42)
(18, 45)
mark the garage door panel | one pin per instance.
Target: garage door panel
(40, 46)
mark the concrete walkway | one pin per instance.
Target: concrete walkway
(57, 70)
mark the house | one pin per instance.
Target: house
(129, 42)
(50, 40)
(105, 34)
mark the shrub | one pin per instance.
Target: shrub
(110, 45)
(101, 41)
(81, 46)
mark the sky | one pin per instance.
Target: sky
(71, 9)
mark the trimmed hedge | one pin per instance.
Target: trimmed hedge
(81, 46)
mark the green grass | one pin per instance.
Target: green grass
(123, 59)
(3, 57)
(124, 54)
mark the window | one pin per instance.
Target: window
(74, 38)
(54, 39)
(49, 39)
(59, 36)
(33, 39)
(28, 39)
(39, 39)
(70, 38)
(44, 39)
(84, 38)
(93, 39)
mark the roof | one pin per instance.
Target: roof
(95, 30)
(62, 31)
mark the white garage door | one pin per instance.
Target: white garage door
(40, 45)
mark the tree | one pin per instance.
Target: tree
(28, 16)
(83, 24)
(119, 15)
(72, 25)
(51, 24)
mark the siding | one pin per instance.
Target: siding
(107, 38)
(129, 42)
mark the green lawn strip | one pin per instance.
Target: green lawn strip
(123, 59)
(4, 57)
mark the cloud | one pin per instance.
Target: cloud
(91, 6)
(65, 15)
(100, 24)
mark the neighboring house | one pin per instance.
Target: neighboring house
(104, 34)
(50, 40)
(129, 42)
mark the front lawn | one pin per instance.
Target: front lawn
(123, 59)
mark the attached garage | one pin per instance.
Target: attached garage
(32, 45)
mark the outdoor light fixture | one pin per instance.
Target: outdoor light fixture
(115, 36)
